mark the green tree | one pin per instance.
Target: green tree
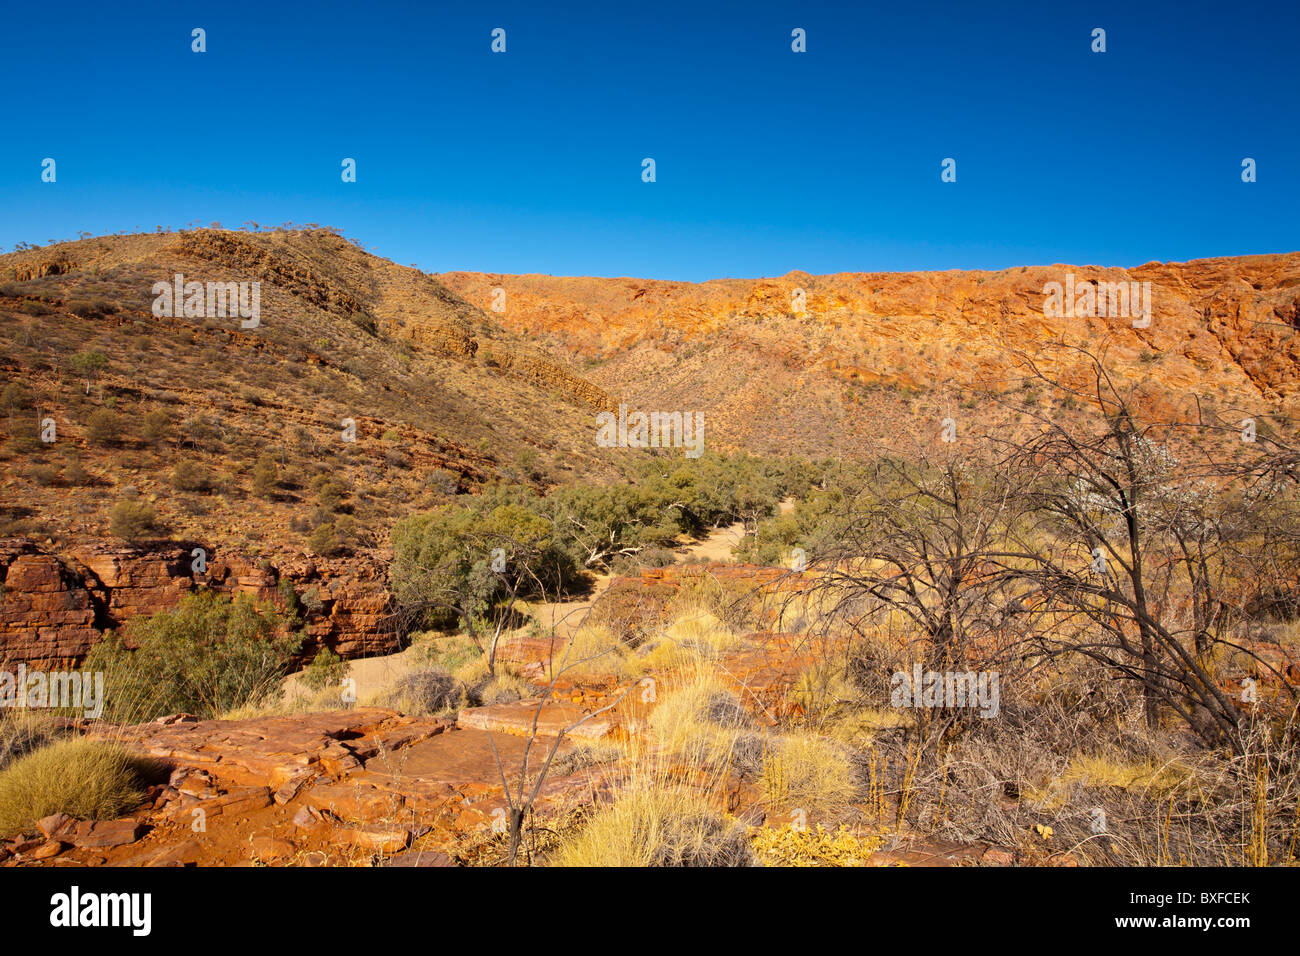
(88, 365)
(207, 656)
(326, 669)
(471, 564)
(601, 524)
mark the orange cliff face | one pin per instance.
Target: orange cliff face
(1215, 321)
(765, 370)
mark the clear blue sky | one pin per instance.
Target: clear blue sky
(767, 160)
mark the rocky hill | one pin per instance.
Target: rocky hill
(284, 449)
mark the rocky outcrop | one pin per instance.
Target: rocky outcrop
(211, 246)
(55, 607)
(337, 788)
(552, 376)
(444, 338)
(1212, 319)
(39, 270)
(353, 616)
(46, 612)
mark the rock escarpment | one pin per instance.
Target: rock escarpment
(57, 606)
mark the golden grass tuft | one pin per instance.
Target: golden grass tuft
(85, 779)
(594, 650)
(23, 730)
(662, 826)
(861, 726)
(823, 692)
(506, 686)
(702, 724)
(694, 635)
(1150, 776)
(807, 773)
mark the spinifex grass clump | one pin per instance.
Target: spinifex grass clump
(85, 779)
(23, 731)
(703, 725)
(658, 827)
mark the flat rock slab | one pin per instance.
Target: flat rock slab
(455, 760)
(106, 833)
(266, 846)
(48, 850)
(237, 802)
(187, 852)
(375, 837)
(277, 752)
(517, 718)
(355, 800)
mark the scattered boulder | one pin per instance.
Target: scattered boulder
(106, 833)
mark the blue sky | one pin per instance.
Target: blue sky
(766, 160)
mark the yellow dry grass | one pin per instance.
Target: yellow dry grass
(657, 826)
(85, 779)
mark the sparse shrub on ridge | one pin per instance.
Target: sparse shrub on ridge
(329, 492)
(134, 522)
(88, 309)
(266, 476)
(14, 397)
(443, 482)
(104, 426)
(44, 475)
(189, 475)
(157, 427)
(325, 540)
(76, 474)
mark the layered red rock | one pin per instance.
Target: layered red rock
(47, 613)
(57, 606)
(331, 788)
